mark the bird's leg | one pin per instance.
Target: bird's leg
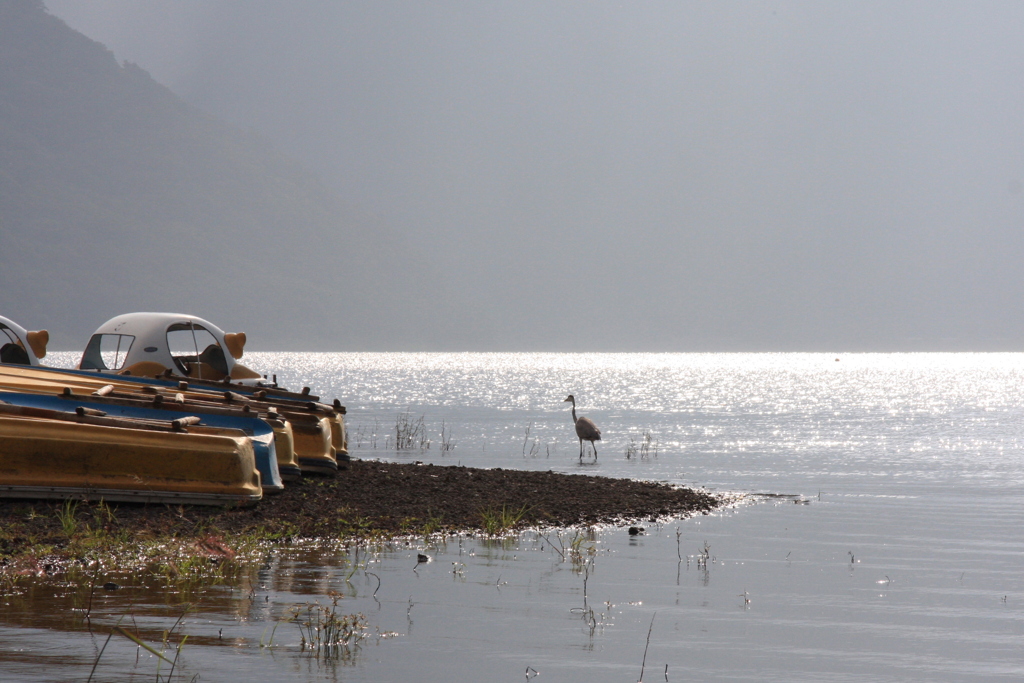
(581, 450)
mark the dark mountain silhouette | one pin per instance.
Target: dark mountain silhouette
(116, 196)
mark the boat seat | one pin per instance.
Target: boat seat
(213, 355)
(14, 354)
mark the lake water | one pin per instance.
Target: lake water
(882, 538)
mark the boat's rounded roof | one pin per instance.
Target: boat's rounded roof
(145, 324)
(142, 337)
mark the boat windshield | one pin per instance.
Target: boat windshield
(196, 351)
(106, 352)
(12, 350)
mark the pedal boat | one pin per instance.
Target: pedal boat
(165, 347)
(259, 432)
(303, 438)
(52, 454)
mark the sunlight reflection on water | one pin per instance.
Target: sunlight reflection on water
(902, 562)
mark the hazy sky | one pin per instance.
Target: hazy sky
(642, 175)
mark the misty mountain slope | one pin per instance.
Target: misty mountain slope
(117, 196)
(646, 176)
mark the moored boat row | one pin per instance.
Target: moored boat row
(158, 419)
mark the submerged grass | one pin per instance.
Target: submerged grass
(325, 631)
(644, 447)
(161, 655)
(410, 433)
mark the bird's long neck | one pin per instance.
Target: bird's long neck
(574, 420)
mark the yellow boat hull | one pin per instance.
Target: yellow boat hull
(313, 447)
(284, 445)
(339, 439)
(57, 459)
(39, 380)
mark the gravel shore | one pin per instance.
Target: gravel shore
(370, 499)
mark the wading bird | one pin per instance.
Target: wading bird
(585, 428)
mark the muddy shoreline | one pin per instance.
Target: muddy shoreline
(368, 500)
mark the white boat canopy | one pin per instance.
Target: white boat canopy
(19, 346)
(152, 344)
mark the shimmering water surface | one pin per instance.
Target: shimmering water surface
(890, 546)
